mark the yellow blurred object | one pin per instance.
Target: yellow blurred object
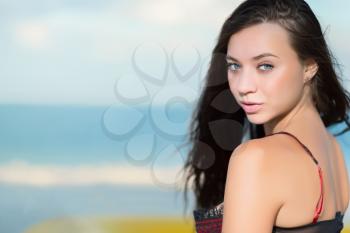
(115, 225)
(149, 225)
(120, 225)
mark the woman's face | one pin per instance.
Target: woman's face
(263, 68)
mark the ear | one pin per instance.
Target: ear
(310, 70)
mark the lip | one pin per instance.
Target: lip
(251, 108)
(248, 102)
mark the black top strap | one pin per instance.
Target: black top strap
(307, 149)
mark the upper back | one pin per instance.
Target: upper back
(300, 181)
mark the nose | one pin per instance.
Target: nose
(246, 83)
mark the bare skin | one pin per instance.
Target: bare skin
(291, 187)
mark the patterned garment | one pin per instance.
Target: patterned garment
(210, 220)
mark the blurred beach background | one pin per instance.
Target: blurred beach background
(95, 103)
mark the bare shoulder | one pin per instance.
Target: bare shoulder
(248, 147)
(250, 189)
(268, 159)
(261, 149)
(248, 154)
(263, 156)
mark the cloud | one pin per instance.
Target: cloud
(22, 173)
(31, 34)
(185, 13)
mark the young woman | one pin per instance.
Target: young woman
(272, 73)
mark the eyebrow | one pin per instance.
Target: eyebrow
(228, 57)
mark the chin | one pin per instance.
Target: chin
(256, 119)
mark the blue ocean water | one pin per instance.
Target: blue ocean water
(84, 134)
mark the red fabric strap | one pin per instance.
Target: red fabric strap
(320, 201)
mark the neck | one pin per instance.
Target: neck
(303, 117)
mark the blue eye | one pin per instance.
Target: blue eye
(267, 66)
(232, 66)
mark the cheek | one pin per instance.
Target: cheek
(283, 89)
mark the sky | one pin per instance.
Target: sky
(84, 52)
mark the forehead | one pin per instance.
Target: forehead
(260, 38)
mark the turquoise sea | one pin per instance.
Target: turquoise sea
(79, 134)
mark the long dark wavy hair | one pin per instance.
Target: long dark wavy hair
(219, 124)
